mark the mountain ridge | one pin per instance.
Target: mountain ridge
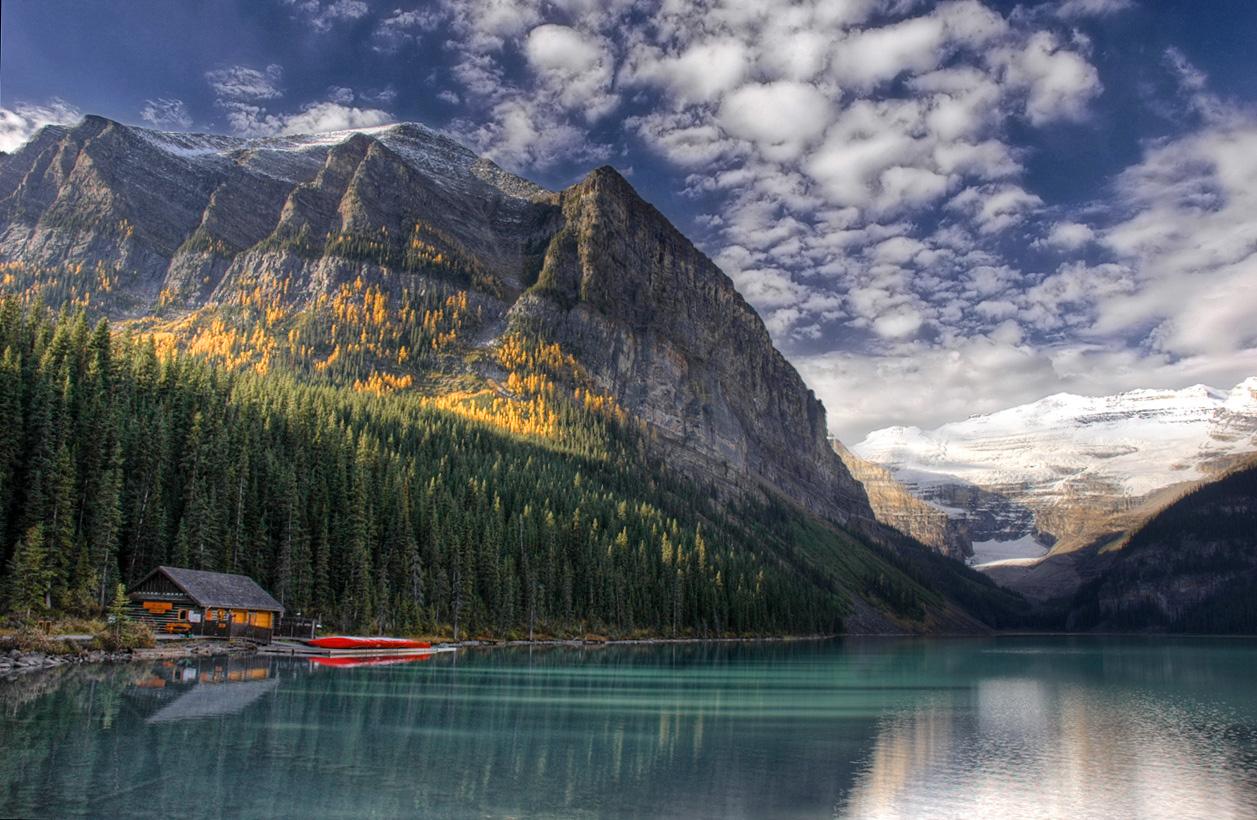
(1080, 465)
(395, 261)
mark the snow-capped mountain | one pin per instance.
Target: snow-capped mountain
(1071, 468)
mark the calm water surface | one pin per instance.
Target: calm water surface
(998, 728)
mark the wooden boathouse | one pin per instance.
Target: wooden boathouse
(195, 602)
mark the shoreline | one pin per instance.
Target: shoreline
(15, 662)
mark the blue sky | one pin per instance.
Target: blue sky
(938, 208)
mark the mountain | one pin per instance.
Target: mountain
(1036, 483)
(277, 251)
(1072, 468)
(896, 507)
(1191, 568)
(414, 280)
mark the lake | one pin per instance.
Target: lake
(856, 728)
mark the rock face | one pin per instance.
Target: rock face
(181, 220)
(899, 509)
(1072, 468)
(137, 223)
(663, 330)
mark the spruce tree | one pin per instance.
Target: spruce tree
(30, 576)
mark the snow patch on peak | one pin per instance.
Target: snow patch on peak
(1063, 446)
(1243, 398)
(448, 162)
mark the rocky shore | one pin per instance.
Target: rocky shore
(15, 662)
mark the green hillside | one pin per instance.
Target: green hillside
(382, 512)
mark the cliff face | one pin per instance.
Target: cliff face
(179, 221)
(900, 510)
(261, 235)
(663, 330)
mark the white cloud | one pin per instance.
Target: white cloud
(327, 116)
(881, 54)
(517, 135)
(21, 123)
(322, 16)
(166, 113)
(401, 29)
(701, 73)
(1192, 238)
(1075, 9)
(340, 95)
(1059, 83)
(243, 84)
(995, 208)
(575, 67)
(1067, 236)
(900, 323)
(242, 92)
(780, 118)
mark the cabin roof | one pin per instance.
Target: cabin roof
(218, 589)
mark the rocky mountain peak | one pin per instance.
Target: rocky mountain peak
(175, 223)
(663, 330)
(1085, 466)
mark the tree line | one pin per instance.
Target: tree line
(371, 512)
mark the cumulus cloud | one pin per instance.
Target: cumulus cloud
(995, 208)
(244, 95)
(20, 124)
(1067, 236)
(1191, 237)
(780, 118)
(401, 29)
(1058, 83)
(340, 95)
(1075, 9)
(699, 74)
(517, 134)
(867, 176)
(322, 16)
(243, 84)
(166, 113)
(315, 118)
(575, 68)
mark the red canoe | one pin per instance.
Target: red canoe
(351, 642)
(349, 662)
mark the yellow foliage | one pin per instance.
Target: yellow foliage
(381, 383)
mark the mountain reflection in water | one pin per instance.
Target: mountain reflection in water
(1028, 747)
(999, 728)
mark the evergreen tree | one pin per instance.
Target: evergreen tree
(30, 575)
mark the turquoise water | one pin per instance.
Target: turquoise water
(998, 728)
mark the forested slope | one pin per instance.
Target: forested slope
(1192, 568)
(384, 513)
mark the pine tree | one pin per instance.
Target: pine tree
(118, 608)
(30, 576)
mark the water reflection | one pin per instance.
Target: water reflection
(873, 729)
(1115, 732)
(198, 688)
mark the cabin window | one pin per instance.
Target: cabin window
(239, 616)
(183, 614)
